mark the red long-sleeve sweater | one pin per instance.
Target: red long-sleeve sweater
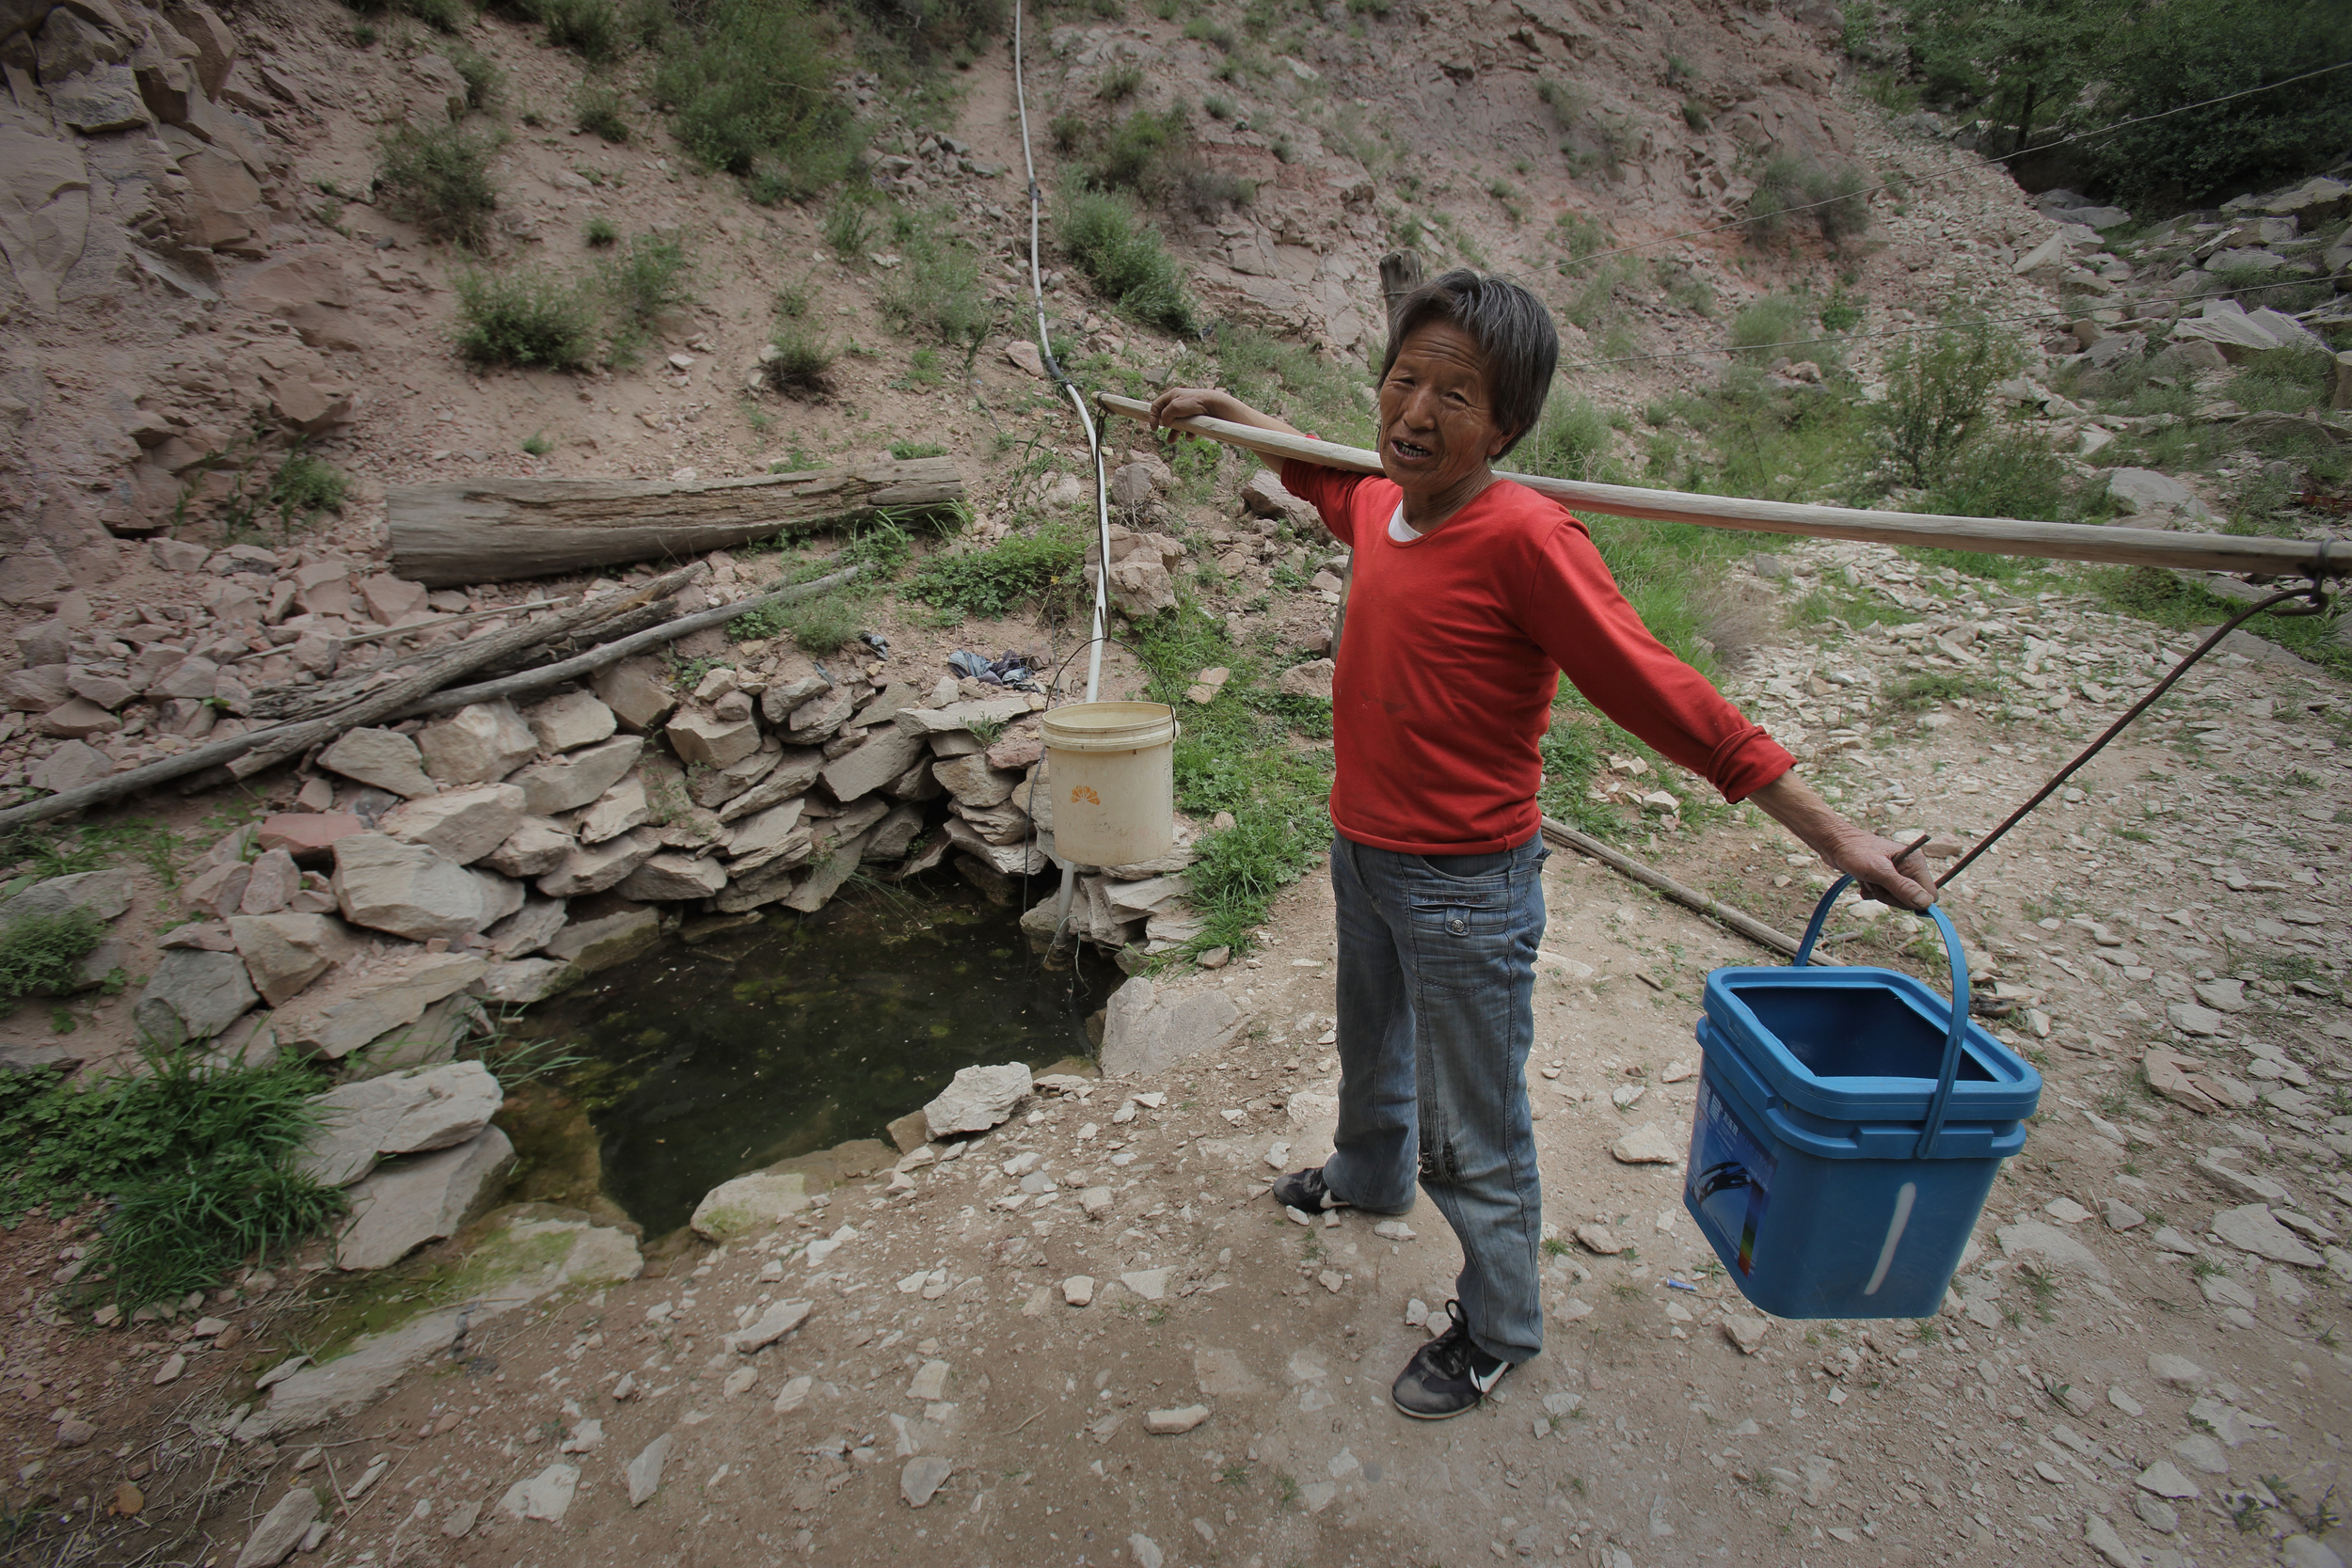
(1452, 655)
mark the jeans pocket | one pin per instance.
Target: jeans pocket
(1462, 935)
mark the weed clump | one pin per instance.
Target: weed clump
(596, 110)
(1034, 565)
(798, 361)
(524, 317)
(42, 955)
(1773, 322)
(198, 1163)
(1832, 200)
(590, 29)
(484, 80)
(936, 286)
(644, 280)
(750, 94)
(440, 179)
(1570, 441)
(1122, 257)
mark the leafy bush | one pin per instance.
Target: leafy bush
(439, 179)
(303, 487)
(641, 282)
(935, 29)
(799, 365)
(991, 582)
(198, 1163)
(524, 317)
(1570, 441)
(596, 110)
(42, 955)
(1120, 83)
(1936, 395)
(2002, 472)
(1107, 238)
(1763, 327)
(1133, 153)
(601, 231)
(936, 284)
(1842, 312)
(1792, 189)
(1582, 235)
(484, 80)
(751, 92)
(590, 29)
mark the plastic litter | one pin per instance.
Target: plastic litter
(1010, 672)
(880, 644)
(1680, 1285)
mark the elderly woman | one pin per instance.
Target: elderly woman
(1471, 597)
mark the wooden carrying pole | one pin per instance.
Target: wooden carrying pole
(502, 529)
(2115, 546)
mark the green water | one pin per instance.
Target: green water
(708, 1061)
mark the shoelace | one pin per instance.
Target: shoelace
(1451, 1353)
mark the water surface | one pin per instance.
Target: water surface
(782, 1039)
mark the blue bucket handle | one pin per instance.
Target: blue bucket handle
(1950, 1075)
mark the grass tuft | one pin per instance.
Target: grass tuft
(524, 317)
(439, 179)
(1122, 257)
(751, 92)
(1044, 563)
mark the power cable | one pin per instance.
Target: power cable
(2019, 152)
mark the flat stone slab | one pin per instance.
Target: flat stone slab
(545, 1496)
(977, 1099)
(103, 893)
(400, 1112)
(282, 1530)
(644, 1471)
(425, 1198)
(2251, 1228)
(349, 1010)
(1146, 1031)
(1644, 1146)
(759, 1201)
(2039, 1239)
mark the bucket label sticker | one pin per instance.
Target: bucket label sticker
(1730, 1180)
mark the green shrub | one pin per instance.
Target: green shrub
(1034, 565)
(590, 29)
(751, 92)
(1570, 441)
(799, 365)
(850, 226)
(1794, 189)
(936, 285)
(1769, 326)
(906, 451)
(1107, 238)
(1582, 235)
(2001, 472)
(485, 81)
(1694, 113)
(1936, 395)
(641, 281)
(42, 955)
(537, 445)
(952, 30)
(439, 179)
(821, 625)
(1134, 153)
(303, 487)
(198, 1165)
(1120, 83)
(601, 231)
(1842, 312)
(1207, 29)
(1218, 106)
(524, 317)
(596, 110)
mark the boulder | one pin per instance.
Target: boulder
(972, 782)
(283, 1526)
(616, 811)
(412, 890)
(1311, 679)
(271, 881)
(2139, 490)
(352, 1007)
(103, 893)
(74, 764)
(569, 721)
(77, 718)
(593, 868)
(760, 1201)
(977, 1099)
(193, 996)
(521, 982)
(400, 1112)
(536, 848)
(670, 878)
(1262, 495)
(634, 691)
(479, 742)
(383, 758)
(703, 738)
(571, 781)
(419, 1199)
(463, 825)
(308, 836)
(1142, 570)
(284, 953)
(603, 940)
(884, 755)
(644, 1471)
(1146, 1032)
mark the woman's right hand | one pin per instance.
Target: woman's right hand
(1186, 403)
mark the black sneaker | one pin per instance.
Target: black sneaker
(1304, 1189)
(1448, 1376)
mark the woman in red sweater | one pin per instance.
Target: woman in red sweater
(1470, 598)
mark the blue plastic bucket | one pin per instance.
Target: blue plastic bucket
(1850, 1122)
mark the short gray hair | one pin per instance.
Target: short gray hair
(1519, 347)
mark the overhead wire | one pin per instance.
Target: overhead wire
(1903, 179)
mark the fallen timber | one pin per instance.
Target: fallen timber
(463, 531)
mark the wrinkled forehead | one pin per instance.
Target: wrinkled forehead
(1439, 347)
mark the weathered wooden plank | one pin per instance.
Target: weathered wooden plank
(2120, 546)
(463, 531)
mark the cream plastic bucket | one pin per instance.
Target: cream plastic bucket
(1112, 770)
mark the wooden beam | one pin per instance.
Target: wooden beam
(1689, 897)
(2114, 546)
(464, 531)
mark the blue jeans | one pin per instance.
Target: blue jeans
(1436, 999)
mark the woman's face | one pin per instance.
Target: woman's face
(1437, 423)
